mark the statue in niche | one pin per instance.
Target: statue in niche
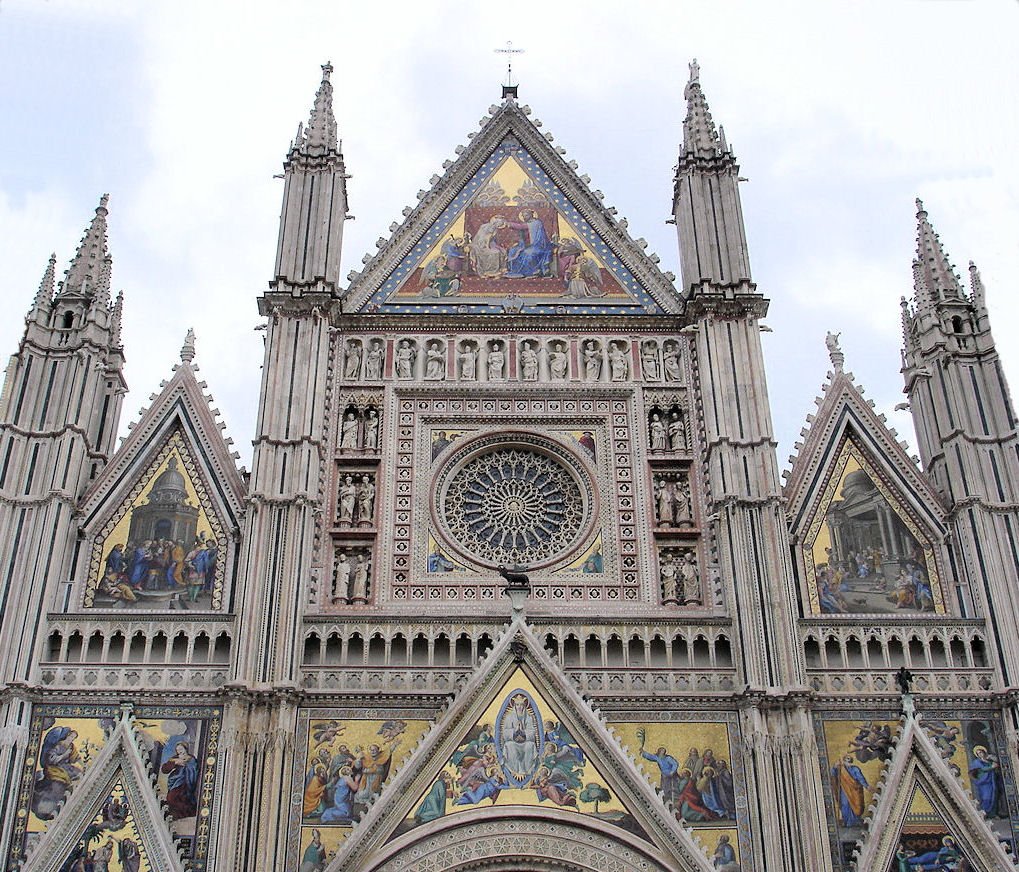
(673, 503)
(496, 362)
(528, 362)
(658, 433)
(347, 500)
(341, 577)
(592, 360)
(677, 432)
(669, 575)
(435, 364)
(371, 430)
(468, 363)
(349, 431)
(665, 503)
(649, 361)
(683, 512)
(365, 501)
(353, 365)
(558, 361)
(405, 360)
(670, 363)
(690, 578)
(359, 583)
(619, 366)
(374, 360)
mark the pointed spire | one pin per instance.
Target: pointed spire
(187, 351)
(907, 321)
(104, 281)
(699, 136)
(90, 266)
(976, 285)
(47, 287)
(116, 320)
(321, 129)
(935, 273)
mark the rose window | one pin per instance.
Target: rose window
(513, 503)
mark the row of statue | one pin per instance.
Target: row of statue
(672, 501)
(351, 577)
(356, 501)
(359, 430)
(490, 360)
(667, 431)
(680, 577)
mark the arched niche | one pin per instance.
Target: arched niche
(534, 840)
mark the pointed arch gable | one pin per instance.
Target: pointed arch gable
(516, 656)
(539, 838)
(867, 524)
(918, 782)
(549, 183)
(141, 517)
(862, 549)
(120, 775)
(205, 512)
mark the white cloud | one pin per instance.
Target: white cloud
(840, 115)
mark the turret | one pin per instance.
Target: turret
(58, 423)
(287, 465)
(966, 432)
(723, 307)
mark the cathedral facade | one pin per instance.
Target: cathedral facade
(514, 582)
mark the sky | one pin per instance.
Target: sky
(840, 113)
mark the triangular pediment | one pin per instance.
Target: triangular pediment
(518, 743)
(511, 227)
(172, 487)
(922, 815)
(112, 814)
(866, 521)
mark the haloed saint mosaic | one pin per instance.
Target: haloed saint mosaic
(181, 744)
(857, 753)
(511, 237)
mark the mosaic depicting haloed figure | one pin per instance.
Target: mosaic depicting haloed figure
(342, 781)
(700, 788)
(62, 761)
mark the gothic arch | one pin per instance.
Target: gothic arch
(536, 840)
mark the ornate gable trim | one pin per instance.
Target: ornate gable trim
(509, 120)
(181, 403)
(119, 760)
(917, 764)
(843, 412)
(516, 648)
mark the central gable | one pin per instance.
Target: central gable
(511, 227)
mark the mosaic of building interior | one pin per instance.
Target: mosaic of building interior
(514, 581)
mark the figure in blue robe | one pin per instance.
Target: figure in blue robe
(139, 566)
(115, 562)
(342, 809)
(986, 776)
(433, 806)
(944, 859)
(488, 789)
(532, 255)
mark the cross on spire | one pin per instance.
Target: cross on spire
(509, 89)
